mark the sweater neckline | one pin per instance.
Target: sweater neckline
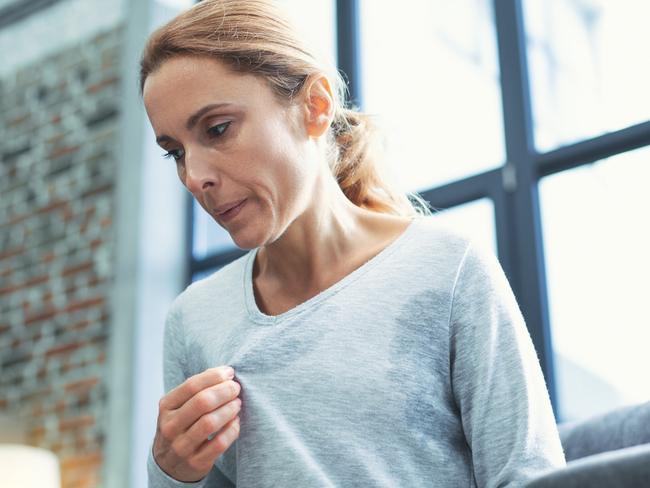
(259, 317)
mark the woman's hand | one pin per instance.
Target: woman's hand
(203, 405)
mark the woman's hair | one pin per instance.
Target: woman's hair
(254, 36)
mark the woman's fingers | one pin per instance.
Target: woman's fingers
(193, 385)
(173, 423)
(205, 401)
(197, 422)
(209, 424)
(212, 449)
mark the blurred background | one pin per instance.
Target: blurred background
(526, 121)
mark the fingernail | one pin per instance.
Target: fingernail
(230, 373)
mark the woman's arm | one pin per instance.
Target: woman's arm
(174, 374)
(496, 378)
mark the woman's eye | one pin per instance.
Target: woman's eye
(214, 131)
(177, 154)
(218, 130)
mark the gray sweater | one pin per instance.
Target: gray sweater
(415, 370)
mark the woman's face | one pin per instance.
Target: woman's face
(232, 141)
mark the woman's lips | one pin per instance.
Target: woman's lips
(232, 213)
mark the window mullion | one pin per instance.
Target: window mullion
(522, 221)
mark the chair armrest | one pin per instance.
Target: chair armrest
(623, 468)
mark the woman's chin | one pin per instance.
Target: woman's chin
(245, 242)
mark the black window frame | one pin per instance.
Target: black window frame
(513, 187)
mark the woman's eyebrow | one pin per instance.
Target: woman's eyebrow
(193, 119)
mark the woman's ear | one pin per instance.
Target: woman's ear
(318, 104)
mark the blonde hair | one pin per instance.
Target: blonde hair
(254, 36)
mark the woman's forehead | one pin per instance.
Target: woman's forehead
(183, 86)
(187, 76)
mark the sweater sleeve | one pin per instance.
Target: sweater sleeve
(174, 373)
(496, 378)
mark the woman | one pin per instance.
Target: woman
(371, 346)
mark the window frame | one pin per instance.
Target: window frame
(513, 188)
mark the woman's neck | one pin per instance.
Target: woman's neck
(311, 255)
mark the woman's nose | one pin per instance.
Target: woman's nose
(200, 173)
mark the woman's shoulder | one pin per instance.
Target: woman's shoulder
(464, 248)
(219, 283)
(440, 238)
(428, 254)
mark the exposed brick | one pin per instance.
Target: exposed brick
(55, 139)
(95, 281)
(79, 325)
(97, 191)
(19, 120)
(37, 434)
(63, 151)
(87, 480)
(5, 290)
(70, 270)
(41, 373)
(36, 395)
(52, 206)
(57, 447)
(48, 256)
(10, 253)
(82, 385)
(81, 304)
(58, 172)
(102, 85)
(37, 410)
(68, 215)
(83, 401)
(17, 219)
(60, 406)
(46, 314)
(76, 422)
(81, 460)
(64, 348)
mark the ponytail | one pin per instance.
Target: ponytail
(356, 166)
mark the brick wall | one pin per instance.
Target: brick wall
(58, 126)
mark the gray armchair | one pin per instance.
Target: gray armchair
(610, 450)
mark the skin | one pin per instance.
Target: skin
(253, 146)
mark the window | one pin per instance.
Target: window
(596, 237)
(536, 146)
(598, 81)
(586, 94)
(433, 85)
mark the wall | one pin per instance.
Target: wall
(61, 24)
(92, 239)
(59, 124)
